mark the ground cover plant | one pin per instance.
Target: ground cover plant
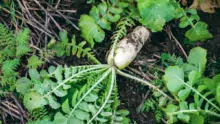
(52, 72)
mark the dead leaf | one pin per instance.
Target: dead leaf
(195, 4)
(204, 5)
(207, 6)
(184, 2)
(218, 1)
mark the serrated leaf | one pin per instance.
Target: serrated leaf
(34, 62)
(52, 102)
(90, 30)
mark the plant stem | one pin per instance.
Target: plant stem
(144, 82)
(194, 111)
(65, 81)
(90, 89)
(113, 78)
(183, 82)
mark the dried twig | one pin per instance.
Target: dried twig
(142, 102)
(176, 41)
(55, 22)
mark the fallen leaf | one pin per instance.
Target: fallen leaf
(218, 1)
(184, 2)
(207, 6)
(195, 4)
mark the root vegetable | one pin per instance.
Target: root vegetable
(127, 49)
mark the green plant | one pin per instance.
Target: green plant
(151, 105)
(197, 96)
(64, 47)
(101, 17)
(82, 94)
(161, 11)
(13, 47)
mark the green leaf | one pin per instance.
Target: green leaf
(196, 119)
(91, 97)
(183, 94)
(218, 94)
(23, 85)
(173, 77)
(66, 107)
(81, 114)
(106, 114)
(183, 117)
(33, 73)
(53, 102)
(90, 30)
(198, 33)
(197, 57)
(155, 13)
(34, 62)
(171, 108)
(59, 118)
(33, 100)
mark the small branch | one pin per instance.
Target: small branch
(142, 102)
(58, 26)
(177, 42)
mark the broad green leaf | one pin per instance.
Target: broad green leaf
(23, 85)
(123, 112)
(81, 114)
(66, 107)
(33, 100)
(183, 94)
(155, 13)
(193, 77)
(198, 33)
(218, 94)
(196, 119)
(90, 30)
(182, 116)
(51, 69)
(174, 78)
(59, 118)
(171, 108)
(34, 74)
(84, 106)
(58, 74)
(91, 97)
(53, 102)
(197, 57)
